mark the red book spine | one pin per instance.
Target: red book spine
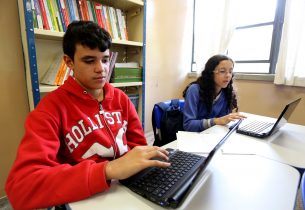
(44, 15)
(85, 10)
(80, 7)
(97, 9)
(64, 12)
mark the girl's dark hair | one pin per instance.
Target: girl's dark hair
(86, 33)
(207, 84)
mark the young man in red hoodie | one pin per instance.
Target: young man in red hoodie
(83, 134)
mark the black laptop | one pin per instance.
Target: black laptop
(168, 187)
(262, 129)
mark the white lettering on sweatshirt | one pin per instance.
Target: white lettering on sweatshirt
(86, 126)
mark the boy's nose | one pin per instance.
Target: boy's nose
(100, 66)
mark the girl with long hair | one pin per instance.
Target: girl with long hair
(211, 99)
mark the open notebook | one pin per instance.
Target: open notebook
(168, 187)
(262, 129)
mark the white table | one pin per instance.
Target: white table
(287, 145)
(231, 182)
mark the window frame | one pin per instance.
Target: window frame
(274, 48)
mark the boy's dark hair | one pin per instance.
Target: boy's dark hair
(207, 84)
(86, 33)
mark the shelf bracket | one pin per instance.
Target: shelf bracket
(30, 38)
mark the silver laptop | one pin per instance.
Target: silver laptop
(262, 129)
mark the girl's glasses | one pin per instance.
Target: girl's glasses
(223, 72)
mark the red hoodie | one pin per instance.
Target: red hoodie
(69, 138)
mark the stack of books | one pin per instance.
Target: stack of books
(126, 72)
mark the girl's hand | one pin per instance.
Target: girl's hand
(228, 118)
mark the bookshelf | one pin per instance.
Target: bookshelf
(42, 46)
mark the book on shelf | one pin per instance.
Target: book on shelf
(93, 12)
(69, 6)
(64, 13)
(84, 9)
(127, 72)
(112, 23)
(80, 8)
(43, 15)
(60, 73)
(56, 15)
(116, 22)
(106, 27)
(52, 14)
(107, 20)
(48, 15)
(124, 77)
(50, 75)
(124, 26)
(97, 10)
(113, 58)
(37, 19)
(120, 23)
(75, 9)
(57, 72)
(127, 65)
(35, 24)
(61, 15)
(90, 12)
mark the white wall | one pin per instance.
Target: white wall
(14, 103)
(168, 51)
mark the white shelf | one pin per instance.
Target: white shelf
(125, 4)
(47, 88)
(126, 84)
(50, 88)
(127, 42)
(47, 34)
(55, 35)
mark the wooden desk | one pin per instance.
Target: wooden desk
(231, 182)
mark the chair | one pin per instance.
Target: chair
(60, 207)
(167, 119)
(302, 189)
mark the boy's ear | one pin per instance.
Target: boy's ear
(69, 62)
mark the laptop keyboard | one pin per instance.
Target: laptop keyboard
(256, 126)
(160, 180)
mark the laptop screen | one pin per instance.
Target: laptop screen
(286, 113)
(222, 141)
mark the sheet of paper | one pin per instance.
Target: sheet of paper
(197, 142)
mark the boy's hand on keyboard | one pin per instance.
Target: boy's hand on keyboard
(136, 160)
